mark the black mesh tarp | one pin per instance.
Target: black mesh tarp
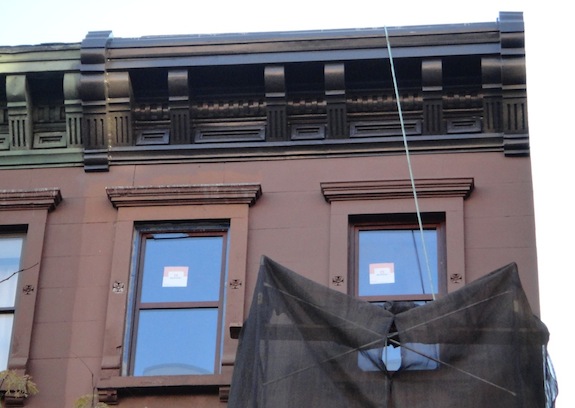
(305, 345)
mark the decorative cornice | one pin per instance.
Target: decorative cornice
(41, 198)
(169, 112)
(194, 194)
(394, 189)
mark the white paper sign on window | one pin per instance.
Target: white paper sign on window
(175, 277)
(381, 273)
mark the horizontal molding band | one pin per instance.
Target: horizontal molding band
(394, 189)
(194, 194)
(42, 198)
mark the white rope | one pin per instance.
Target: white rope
(418, 212)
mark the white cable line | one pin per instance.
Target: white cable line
(395, 87)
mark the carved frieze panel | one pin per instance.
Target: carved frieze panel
(228, 108)
(230, 132)
(385, 128)
(308, 131)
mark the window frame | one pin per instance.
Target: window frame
(26, 211)
(395, 196)
(433, 221)
(211, 229)
(393, 199)
(172, 204)
(10, 233)
(395, 222)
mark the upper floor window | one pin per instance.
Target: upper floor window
(23, 220)
(397, 261)
(175, 296)
(178, 310)
(10, 256)
(391, 263)
(353, 204)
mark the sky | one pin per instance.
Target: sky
(547, 32)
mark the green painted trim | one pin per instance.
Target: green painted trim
(66, 157)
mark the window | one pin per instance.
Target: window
(442, 204)
(178, 309)
(208, 224)
(23, 219)
(353, 200)
(394, 260)
(397, 261)
(10, 254)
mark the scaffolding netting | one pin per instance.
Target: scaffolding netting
(306, 345)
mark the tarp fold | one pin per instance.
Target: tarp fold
(305, 345)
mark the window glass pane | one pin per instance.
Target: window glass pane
(181, 341)
(10, 251)
(414, 356)
(372, 359)
(419, 356)
(6, 321)
(392, 262)
(180, 268)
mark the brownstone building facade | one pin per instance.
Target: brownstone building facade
(141, 181)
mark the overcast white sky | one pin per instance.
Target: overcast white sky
(548, 36)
